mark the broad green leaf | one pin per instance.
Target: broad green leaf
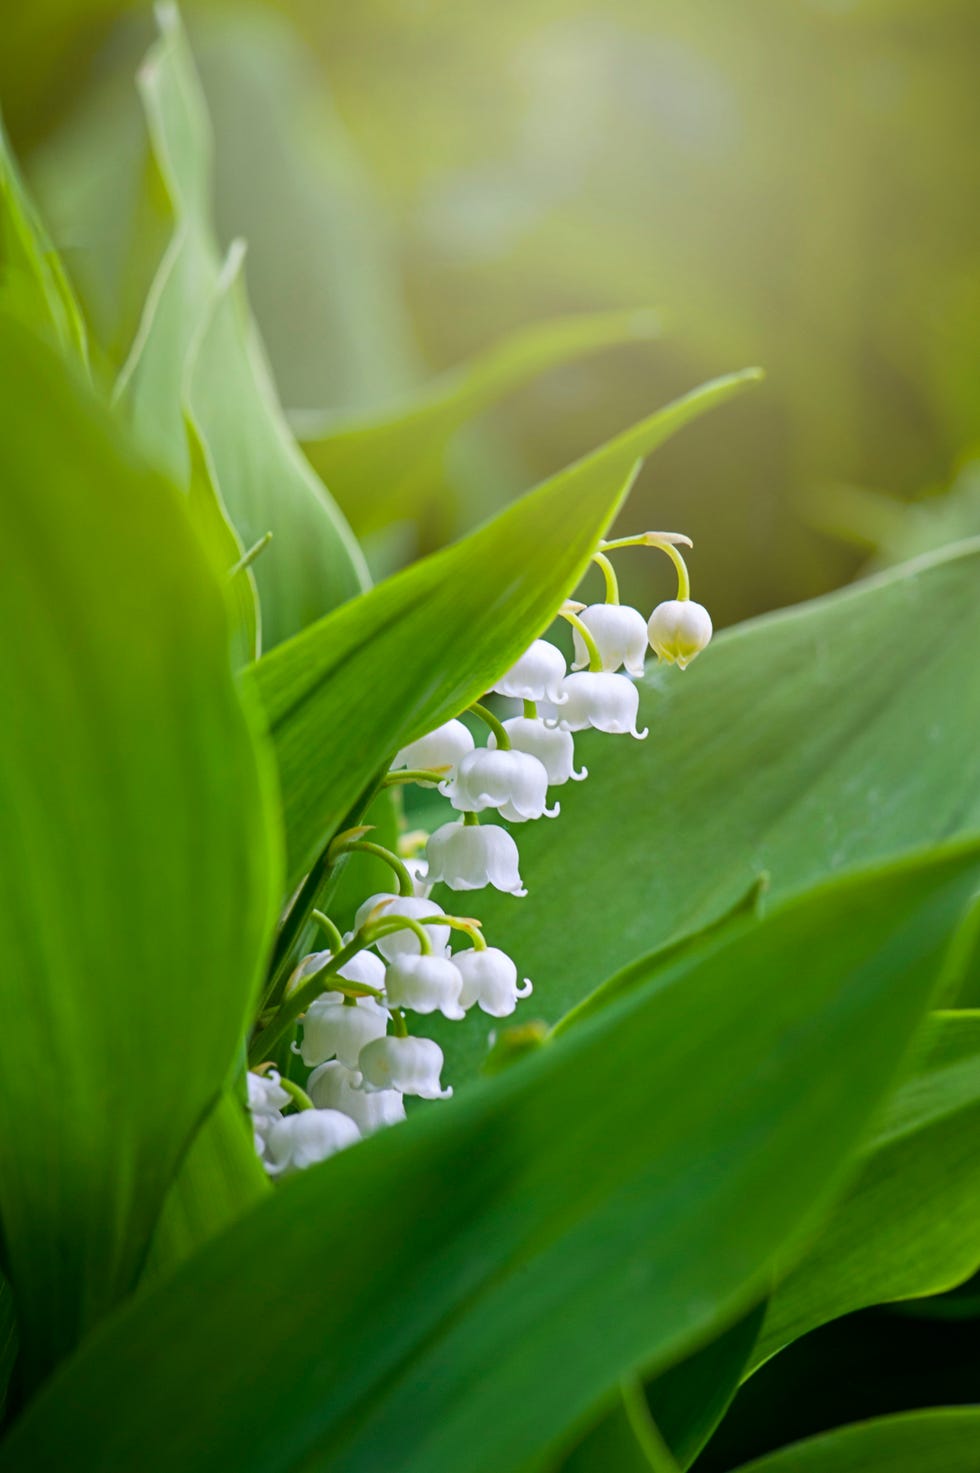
(382, 465)
(8, 1342)
(799, 744)
(942, 1441)
(33, 285)
(393, 1306)
(219, 1179)
(910, 1224)
(686, 1403)
(198, 355)
(343, 696)
(125, 737)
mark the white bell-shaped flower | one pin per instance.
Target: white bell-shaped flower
(470, 856)
(339, 1030)
(678, 630)
(536, 676)
(514, 782)
(425, 984)
(335, 1087)
(419, 871)
(363, 968)
(440, 748)
(620, 634)
(410, 1065)
(554, 748)
(304, 1139)
(266, 1098)
(605, 701)
(490, 979)
(404, 943)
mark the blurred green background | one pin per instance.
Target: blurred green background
(788, 182)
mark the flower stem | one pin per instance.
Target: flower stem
(328, 928)
(494, 723)
(248, 558)
(298, 1096)
(609, 573)
(530, 710)
(667, 542)
(595, 659)
(415, 775)
(367, 846)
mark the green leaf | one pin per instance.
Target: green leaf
(33, 285)
(392, 1307)
(799, 744)
(139, 867)
(941, 1441)
(910, 1224)
(343, 696)
(198, 355)
(219, 1179)
(380, 466)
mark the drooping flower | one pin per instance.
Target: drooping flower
(404, 943)
(419, 871)
(513, 782)
(301, 1140)
(339, 1030)
(605, 701)
(536, 676)
(440, 748)
(410, 1065)
(333, 1086)
(425, 984)
(468, 857)
(620, 634)
(490, 979)
(678, 630)
(364, 968)
(266, 1099)
(554, 748)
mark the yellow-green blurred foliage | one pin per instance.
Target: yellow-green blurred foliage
(789, 182)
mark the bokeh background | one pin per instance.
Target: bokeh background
(786, 182)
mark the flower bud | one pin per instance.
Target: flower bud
(335, 1087)
(426, 984)
(553, 748)
(404, 943)
(440, 748)
(515, 782)
(468, 857)
(490, 979)
(339, 1030)
(537, 674)
(620, 634)
(678, 630)
(607, 702)
(304, 1139)
(411, 1065)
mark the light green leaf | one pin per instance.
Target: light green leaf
(125, 737)
(799, 744)
(910, 1224)
(391, 1307)
(941, 1441)
(383, 465)
(441, 632)
(33, 285)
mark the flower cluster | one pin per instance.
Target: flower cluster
(351, 1000)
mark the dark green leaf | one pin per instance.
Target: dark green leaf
(138, 868)
(943, 1441)
(465, 1289)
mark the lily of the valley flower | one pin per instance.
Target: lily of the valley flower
(554, 748)
(536, 676)
(678, 630)
(339, 1030)
(404, 943)
(410, 1065)
(620, 634)
(335, 1087)
(602, 700)
(513, 782)
(266, 1098)
(440, 748)
(364, 968)
(468, 857)
(490, 979)
(301, 1140)
(425, 984)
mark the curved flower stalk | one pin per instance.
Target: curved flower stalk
(406, 954)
